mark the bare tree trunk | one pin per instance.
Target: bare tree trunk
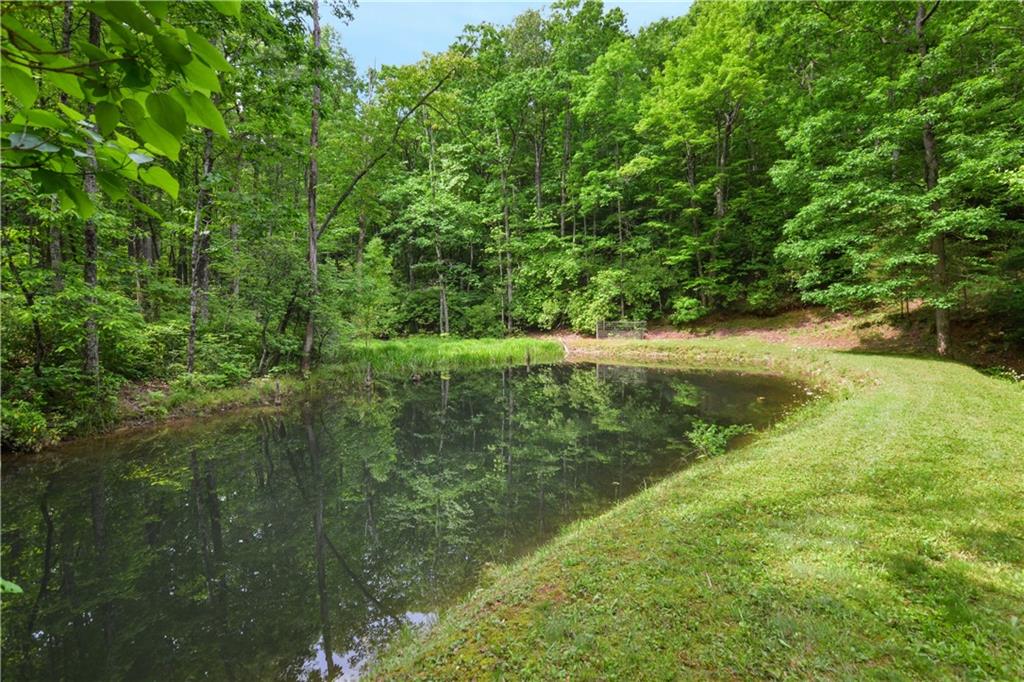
(931, 179)
(200, 239)
(92, 341)
(311, 188)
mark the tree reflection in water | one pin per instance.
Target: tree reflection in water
(251, 546)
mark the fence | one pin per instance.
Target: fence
(621, 329)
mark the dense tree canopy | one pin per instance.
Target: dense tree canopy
(166, 217)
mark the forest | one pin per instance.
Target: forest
(198, 194)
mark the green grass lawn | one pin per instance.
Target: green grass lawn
(877, 533)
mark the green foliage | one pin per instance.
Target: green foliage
(709, 439)
(24, 426)
(6, 586)
(686, 309)
(558, 170)
(110, 105)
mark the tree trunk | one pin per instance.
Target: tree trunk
(443, 286)
(311, 188)
(37, 332)
(361, 239)
(721, 182)
(563, 176)
(931, 180)
(200, 239)
(56, 254)
(538, 152)
(691, 180)
(92, 341)
(236, 281)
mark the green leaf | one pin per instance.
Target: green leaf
(167, 113)
(67, 83)
(131, 14)
(44, 119)
(158, 138)
(31, 143)
(201, 76)
(158, 177)
(133, 111)
(173, 51)
(157, 7)
(50, 181)
(70, 113)
(231, 8)
(80, 201)
(208, 113)
(207, 52)
(139, 157)
(6, 586)
(143, 207)
(107, 117)
(20, 84)
(112, 185)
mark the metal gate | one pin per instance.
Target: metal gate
(621, 329)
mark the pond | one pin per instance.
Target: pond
(291, 545)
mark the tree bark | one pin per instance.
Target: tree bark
(564, 175)
(940, 275)
(200, 240)
(92, 341)
(311, 188)
(361, 239)
(728, 123)
(691, 180)
(538, 152)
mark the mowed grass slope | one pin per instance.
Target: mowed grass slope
(876, 534)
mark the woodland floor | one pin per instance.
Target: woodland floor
(876, 533)
(979, 342)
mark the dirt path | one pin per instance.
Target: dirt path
(882, 331)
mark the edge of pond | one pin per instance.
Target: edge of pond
(274, 394)
(809, 367)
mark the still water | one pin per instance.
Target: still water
(291, 545)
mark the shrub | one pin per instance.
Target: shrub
(480, 321)
(23, 426)
(710, 439)
(686, 309)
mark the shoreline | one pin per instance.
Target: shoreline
(841, 523)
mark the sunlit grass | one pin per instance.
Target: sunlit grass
(386, 359)
(877, 533)
(431, 353)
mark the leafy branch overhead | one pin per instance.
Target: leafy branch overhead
(115, 103)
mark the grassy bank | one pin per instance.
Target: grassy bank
(386, 359)
(399, 357)
(877, 533)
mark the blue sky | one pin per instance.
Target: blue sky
(389, 32)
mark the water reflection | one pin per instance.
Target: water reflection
(291, 546)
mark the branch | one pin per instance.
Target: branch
(930, 13)
(368, 166)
